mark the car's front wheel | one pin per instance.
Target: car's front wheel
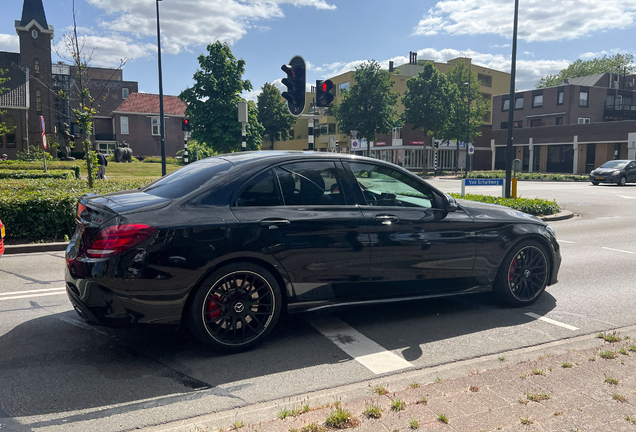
(595, 183)
(622, 181)
(523, 275)
(236, 307)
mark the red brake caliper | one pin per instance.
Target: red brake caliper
(513, 267)
(213, 309)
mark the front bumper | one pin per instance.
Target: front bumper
(604, 178)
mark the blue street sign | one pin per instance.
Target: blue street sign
(484, 182)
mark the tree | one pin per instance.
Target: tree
(213, 101)
(458, 128)
(369, 107)
(273, 113)
(428, 101)
(618, 63)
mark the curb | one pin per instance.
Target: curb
(562, 215)
(267, 411)
(36, 247)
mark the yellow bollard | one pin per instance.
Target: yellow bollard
(514, 187)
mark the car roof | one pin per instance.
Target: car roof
(239, 158)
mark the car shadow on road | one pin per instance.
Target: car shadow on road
(57, 363)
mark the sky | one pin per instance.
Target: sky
(333, 36)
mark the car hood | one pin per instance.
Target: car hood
(483, 212)
(129, 201)
(605, 171)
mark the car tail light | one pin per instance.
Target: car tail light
(117, 239)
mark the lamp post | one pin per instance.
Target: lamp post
(511, 103)
(161, 119)
(468, 116)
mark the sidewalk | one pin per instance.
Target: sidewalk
(581, 384)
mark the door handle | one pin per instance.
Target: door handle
(387, 219)
(274, 223)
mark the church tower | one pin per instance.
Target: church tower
(35, 53)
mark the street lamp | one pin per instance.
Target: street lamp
(511, 103)
(468, 117)
(161, 119)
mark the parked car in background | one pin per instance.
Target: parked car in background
(620, 172)
(229, 243)
(2, 234)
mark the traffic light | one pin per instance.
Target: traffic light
(295, 83)
(185, 124)
(323, 93)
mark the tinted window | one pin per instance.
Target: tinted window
(310, 183)
(385, 186)
(187, 179)
(260, 191)
(614, 164)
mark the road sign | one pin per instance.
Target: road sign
(354, 143)
(484, 182)
(471, 149)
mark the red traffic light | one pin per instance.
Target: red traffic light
(185, 124)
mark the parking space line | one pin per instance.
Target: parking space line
(617, 250)
(362, 349)
(32, 295)
(565, 241)
(31, 291)
(551, 321)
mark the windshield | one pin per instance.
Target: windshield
(614, 164)
(187, 179)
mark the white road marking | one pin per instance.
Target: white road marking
(610, 217)
(32, 291)
(565, 241)
(551, 321)
(626, 197)
(617, 250)
(32, 295)
(366, 352)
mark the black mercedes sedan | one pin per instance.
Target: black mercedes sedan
(227, 244)
(620, 172)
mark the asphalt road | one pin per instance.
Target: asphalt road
(59, 374)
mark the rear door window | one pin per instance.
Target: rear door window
(261, 191)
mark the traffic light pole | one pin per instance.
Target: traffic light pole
(511, 104)
(310, 134)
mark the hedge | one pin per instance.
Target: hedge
(530, 176)
(533, 206)
(42, 210)
(33, 174)
(155, 159)
(20, 165)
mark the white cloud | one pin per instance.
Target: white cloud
(9, 43)
(107, 51)
(538, 20)
(193, 22)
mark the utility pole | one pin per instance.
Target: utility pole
(511, 103)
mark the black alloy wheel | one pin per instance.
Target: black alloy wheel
(622, 181)
(236, 307)
(524, 274)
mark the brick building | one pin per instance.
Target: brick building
(570, 128)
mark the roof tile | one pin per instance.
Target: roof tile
(148, 103)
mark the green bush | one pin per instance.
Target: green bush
(33, 154)
(45, 209)
(155, 159)
(529, 176)
(21, 165)
(78, 154)
(533, 206)
(33, 174)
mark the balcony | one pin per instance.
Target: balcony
(618, 112)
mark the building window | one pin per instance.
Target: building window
(518, 124)
(583, 97)
(559, 121)
(519, 103)
(537, 101)
(536, 122)
(332, 128)
(396, 133)
(123, 123)
(107, 148)
(560, 97)
(36, 67)
(504, 125)
(505, 105)
(154, 125)
(124, 93)
(38, 101)
(584, 120)
(485, 80)
(343, 87)
(9, 123)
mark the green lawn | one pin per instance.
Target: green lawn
(128, 171)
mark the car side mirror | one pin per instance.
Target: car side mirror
(449, 204)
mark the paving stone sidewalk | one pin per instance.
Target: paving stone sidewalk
(587, 390)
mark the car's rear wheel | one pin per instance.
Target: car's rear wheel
(622, 181)
(523, 275)
(236, 307)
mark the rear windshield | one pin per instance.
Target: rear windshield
(187, 179)
(614, 164)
